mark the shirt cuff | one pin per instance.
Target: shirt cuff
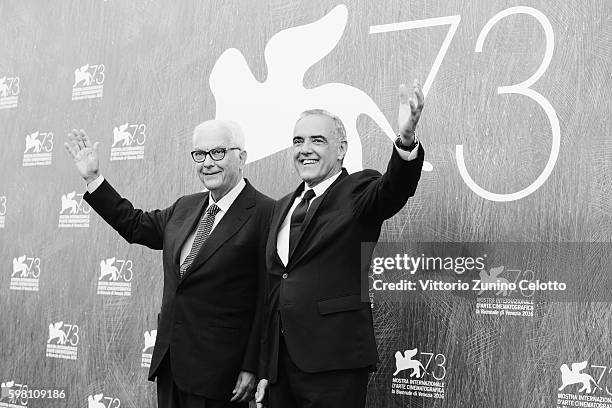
(91, 187)
(411, 155)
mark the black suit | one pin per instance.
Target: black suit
(210, 319)
(321, 295)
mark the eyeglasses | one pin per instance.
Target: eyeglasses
(216, 154)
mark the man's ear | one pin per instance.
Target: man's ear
(243, 156)
(342, 148)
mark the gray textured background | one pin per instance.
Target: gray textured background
(158, 57)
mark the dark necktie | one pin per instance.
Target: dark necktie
(297, 219)
(202, 234)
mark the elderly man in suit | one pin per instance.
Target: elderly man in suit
(207, 347)
(319, 339)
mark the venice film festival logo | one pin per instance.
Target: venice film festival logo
(74, 212)
(500, 290)
(272, 106)
(115, 277)
(5, 389)
(426, 374)
(5, 392)
(26, 272)
(38, 149)
(2, 211)
(149, 343)
(584, 382)
(63, 341)
(100, 401)
(9, 92)
(88, 82)
(13, 395)
(128, 141)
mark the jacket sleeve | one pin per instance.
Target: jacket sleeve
(134, 225)
(378, 197)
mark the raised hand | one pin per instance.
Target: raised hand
(85, 154)
(409, 112)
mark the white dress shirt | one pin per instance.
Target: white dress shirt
(282, 240)
(224, 205)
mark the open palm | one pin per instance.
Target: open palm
(410, 108)
(84, 154)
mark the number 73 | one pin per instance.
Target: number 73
(522, 88)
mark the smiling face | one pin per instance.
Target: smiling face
(220, 176)
(317, 148)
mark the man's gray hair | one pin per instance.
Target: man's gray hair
(236, 133)
(338, 125)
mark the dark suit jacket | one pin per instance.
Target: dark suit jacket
(322, 294)
(210, 319)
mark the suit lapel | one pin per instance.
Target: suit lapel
(192, 218)
(238, 213)
(312, 210)
(285, 206)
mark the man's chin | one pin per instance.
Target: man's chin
(311, 181)
(307, 178)
(209, 184)
(306, 175)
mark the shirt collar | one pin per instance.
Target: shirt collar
(227, 200)
(320, 188)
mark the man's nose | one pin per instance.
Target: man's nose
(306, 147)
(208, 161)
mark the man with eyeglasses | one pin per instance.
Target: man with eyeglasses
(207, 347)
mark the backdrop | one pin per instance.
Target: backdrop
(516, 129)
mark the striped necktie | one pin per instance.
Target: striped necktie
(202, 234)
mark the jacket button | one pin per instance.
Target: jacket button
(285, 275)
